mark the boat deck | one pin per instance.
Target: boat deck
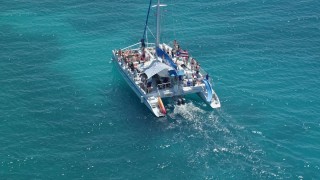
(155, 71)
(190, 80)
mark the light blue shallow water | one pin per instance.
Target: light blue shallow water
(67, 114)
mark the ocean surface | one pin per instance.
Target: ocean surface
(66, 113)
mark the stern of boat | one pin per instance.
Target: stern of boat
(209, 95)
(154, 104)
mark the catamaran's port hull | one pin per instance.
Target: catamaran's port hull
(136, 90)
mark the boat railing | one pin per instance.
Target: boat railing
(202, 72)
(164, 85)
(137, 44)
(150, 44)
(129, 47)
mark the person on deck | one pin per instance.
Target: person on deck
(197, 68)
(149, 85)
(192, 63)
(175, 45)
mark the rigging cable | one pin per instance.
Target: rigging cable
(173, 19)
(151, 32)
(145, 27)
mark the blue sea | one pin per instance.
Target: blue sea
(66, 113)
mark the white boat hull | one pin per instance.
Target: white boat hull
(151, 103)
(176, 87)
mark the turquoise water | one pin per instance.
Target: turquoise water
(67, 114)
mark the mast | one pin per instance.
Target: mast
(158, 24)
(145, 28)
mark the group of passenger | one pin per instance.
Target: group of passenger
(129, 58)
(194, 65)
(160, 82)
(177, 52)
(132, 58)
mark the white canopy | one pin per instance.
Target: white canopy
(157, 68)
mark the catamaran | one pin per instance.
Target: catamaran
(157, 70)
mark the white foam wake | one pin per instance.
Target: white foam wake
(188, 111)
